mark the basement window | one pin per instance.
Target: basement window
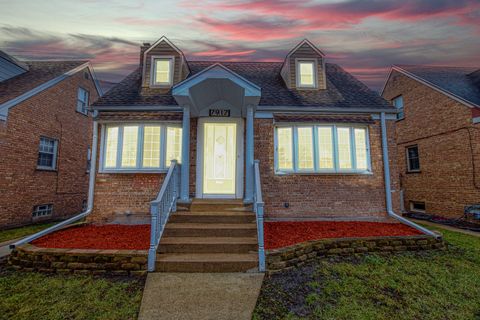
(417, 206)
(43, 210)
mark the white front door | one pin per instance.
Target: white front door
(220, 165)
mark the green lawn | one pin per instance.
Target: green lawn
(427, 285)
(38, 296)
(11, 234)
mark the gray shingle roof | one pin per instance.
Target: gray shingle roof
(343, 90)
(39, 72)
(458, 81)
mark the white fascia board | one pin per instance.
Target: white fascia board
(138, 108)
(95, 80)
(300, 109)
(435, 87)
(44, 86)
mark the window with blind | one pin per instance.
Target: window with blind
(321, 149)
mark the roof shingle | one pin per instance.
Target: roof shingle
(343, 90)
(39, 72)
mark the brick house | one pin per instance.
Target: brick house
(438, 137)
(314, 128)
(45, 139)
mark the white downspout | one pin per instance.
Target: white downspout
(388, 191)
(91, 185)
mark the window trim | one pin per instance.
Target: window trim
(154, 84)
(316, 170)
(55, 155)
(401, 111)
(413, 203)
(138, 168)
(315, 73)
(88, 101)
(409, 170)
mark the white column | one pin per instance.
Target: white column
(249, 146)
(185, 167)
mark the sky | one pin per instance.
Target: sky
(365, 37)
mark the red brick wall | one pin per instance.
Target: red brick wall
(442, 128)
(323, 195)
(51, 113)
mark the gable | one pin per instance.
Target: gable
(163, 48)
(303, 51)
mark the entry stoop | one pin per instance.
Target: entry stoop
(213, 236)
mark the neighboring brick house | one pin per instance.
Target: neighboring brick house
(45, 139)
(438, 137)
(315, 129)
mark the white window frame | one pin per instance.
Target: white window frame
(401, 110)
(86, 93)
(315, 73)
(139, 163)
(155, 84)
(53, 167)
(42, 208)
(316, 170)
(409, 169)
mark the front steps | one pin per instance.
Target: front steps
(213, 236)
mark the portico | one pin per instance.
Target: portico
(220, 99)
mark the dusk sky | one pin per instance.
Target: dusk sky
(364, 36)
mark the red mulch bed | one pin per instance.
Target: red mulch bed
(283, 234)
(111, 236)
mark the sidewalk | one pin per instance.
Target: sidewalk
(449, 228)
(200, 296)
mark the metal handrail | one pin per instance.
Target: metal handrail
(161, 208)
(258, 209)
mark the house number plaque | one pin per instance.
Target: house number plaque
(219, 113)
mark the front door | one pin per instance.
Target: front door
(221, 160)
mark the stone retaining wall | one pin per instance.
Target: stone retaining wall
(296, 255)
(79, 261)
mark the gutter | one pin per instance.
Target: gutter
(388, 190)
(91, 185)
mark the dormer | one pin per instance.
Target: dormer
(163, 65)
(304, 68)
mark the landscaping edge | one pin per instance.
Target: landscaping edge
(79, 261)
(296, 255)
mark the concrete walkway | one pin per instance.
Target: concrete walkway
(442, 226)
(200, 296)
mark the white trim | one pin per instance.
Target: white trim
(305, 41)
(316, 170)
(430, 85)
(298, 84)
(200, 157)
(53, 167)
(476, 120)
(138, 108)
(302, 109)
(409, 169)
(139, 160)
(171, 60)
(163, 38)
(4, 107)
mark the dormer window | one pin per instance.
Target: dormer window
(162, 71)
(306, 74)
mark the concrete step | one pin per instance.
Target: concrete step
(210, 230)
(202, 205)
(208, 245)
(206, 262)
(212, 217)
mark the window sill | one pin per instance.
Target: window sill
(83, 114)
(413, 171)
(326, 173)
(133, 171)
(46, 169)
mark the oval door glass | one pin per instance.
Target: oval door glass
(219, 162)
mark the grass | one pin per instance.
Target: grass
(11, 234)
(39, 296)
(427, 285)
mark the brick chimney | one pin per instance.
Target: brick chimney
(143, 48)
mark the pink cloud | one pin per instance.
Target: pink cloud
(223, 53)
